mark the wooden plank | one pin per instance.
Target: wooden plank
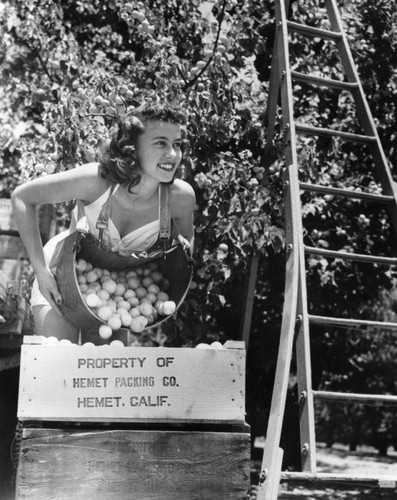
(131, 464)
(46, 217)
(7, 220)
(120, 384)
(11, 247)
(12, 268)
(15, 311)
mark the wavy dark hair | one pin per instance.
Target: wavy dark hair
(118, 160)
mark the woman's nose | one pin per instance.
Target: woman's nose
(171, 153)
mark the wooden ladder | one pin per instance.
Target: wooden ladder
(296, 317)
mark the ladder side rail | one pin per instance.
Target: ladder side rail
(268, 487)
(302, 339)
(272, 99)
(360, 324)
(365, 480)
(269, 484)
(351, 397)
(363, 109)
(274, 88)
(304, 371)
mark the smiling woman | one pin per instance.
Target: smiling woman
(145, 151)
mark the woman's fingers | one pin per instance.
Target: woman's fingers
(50, 291)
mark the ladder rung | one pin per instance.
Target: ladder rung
(352, 323)
(352, 397)
(391, 261)
(304, 29)
(328, 82)
(382, 481)
(380, 198)
(347, 136)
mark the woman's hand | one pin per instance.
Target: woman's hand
(49, 288)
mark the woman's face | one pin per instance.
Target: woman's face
(158, 150)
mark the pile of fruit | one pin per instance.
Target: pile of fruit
(132, 299)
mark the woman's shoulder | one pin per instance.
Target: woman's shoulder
(182, 188)
(182, 195)
(89, 174)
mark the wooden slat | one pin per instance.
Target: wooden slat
(327, 82)
(390, 261)
(311, 31)
(352, 323)
(132, 464)
(347, 136)
(379, 399)
(377, 198)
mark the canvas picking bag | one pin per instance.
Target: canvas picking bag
(173, 261)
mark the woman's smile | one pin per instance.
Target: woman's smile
(168, 167)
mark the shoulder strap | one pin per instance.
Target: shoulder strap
(102, 222)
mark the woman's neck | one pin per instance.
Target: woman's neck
(145, 189)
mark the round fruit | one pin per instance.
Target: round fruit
(94, 286)
(105, 312)
(92, 300)
(202, 346)
(124, 304)
(169, 307)
(126, 319)
(162, 296)
(103, 294)
(105, 332)
(147, 281)
(116, 343)
(138, 324)
(120, 289)
(140, 292)
(153, 288)
(133, 282)
(146, 309)
(134, 301)
(129, 293)
(134, 312)
(151, 297)
(216, 345)
(110, 286)
(114, 322)
(81, 278)
(157, 276)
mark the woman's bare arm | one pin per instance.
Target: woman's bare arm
(79, 183)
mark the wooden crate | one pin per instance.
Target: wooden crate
(13, 256)
(133, 464)
(130, 384)
(46, 216)
(15, 314)
(7, 221)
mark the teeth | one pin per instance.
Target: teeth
(166, 166)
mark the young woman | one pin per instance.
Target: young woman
(146, 149)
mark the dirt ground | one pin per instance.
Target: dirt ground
(338, 459)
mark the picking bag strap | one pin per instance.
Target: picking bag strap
(164, 213)
(102, 222)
